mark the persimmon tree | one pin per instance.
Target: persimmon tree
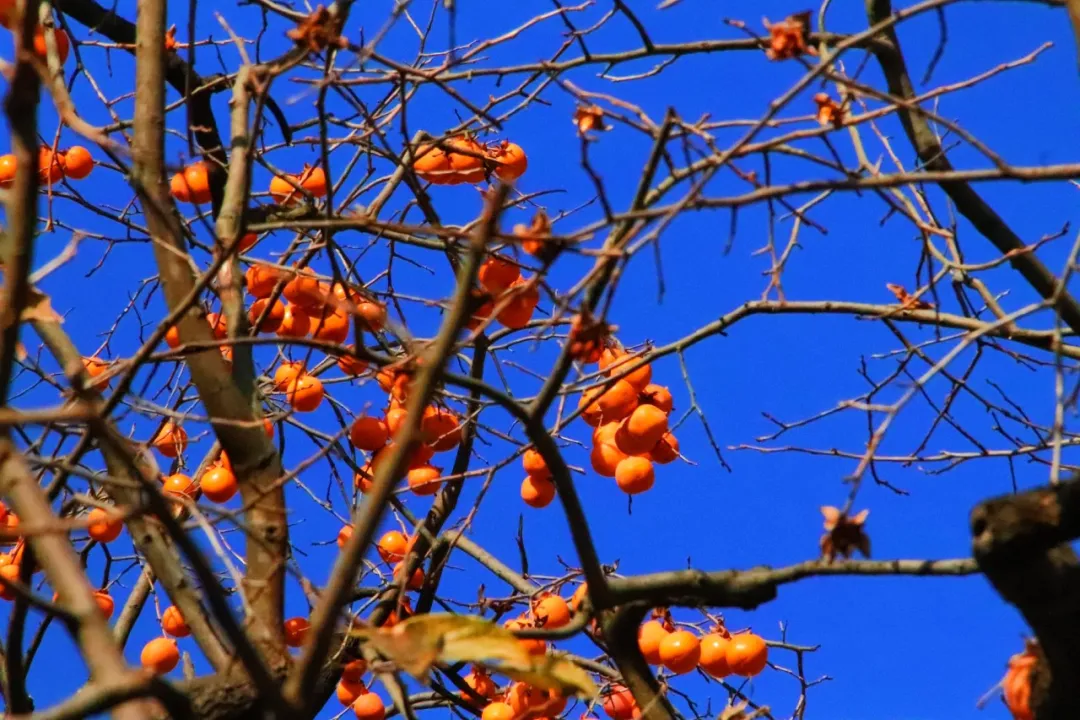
(361, 317)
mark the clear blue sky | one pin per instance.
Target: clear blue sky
(896, 649)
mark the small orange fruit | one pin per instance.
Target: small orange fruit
(296, 630)
(343, 535)
(650, 634)
(160, 655)
(296, 323)
(218, 484)
(9, 572)
(618, 401)
(63, 44)
(534, 464)
(619, 704)
(634, 475)
(103, 526)
(497, 273)
(680, 651)
(747, 654)
(354, 670)
(171, 440)
(533, 646)
(348, 690)
(77, 162)
(368, 433)
(713, 660)
(551, 612)
(480, 682)
(424, 480)
(197, 180)
(369, 706)
(416, 580)
(179, 485)
(105, 603)
(286, 373)
(393, 546)
(173, 623)
(666, 450)
(352, 365)
(511, 161)
(273, 320)
(658, 396)
(8, 163)
(498, 711)
(261, 280)
(305, 393)
(537, 492)
(440, 428)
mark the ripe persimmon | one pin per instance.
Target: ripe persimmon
(77, 162)
(605, 459)
(416, 580)
(172, 337)
(747, 654)
(523, 698)
(680, 651)
(313, 179)
(246, 242)
(537, 492)
(354, 670)
(305, 393)
(95, 367)
(480, 683)
(49, 168)
(650, 634)
(9, 572)
(362, 480)
(173, 623)
(296, 630)
(178, 188)
(424, 480)
(103, 526)
(467, 167)
(393, 546)
(534, 464)
(639, 432)
(619, 704)
(578, 597)
(348, 690)
(178, 485)
(551, 612)
(533, 646)
(634, 475)
(497, 273)
(286, 373)
(658, 396)
(105, 603)
(8, 164)
(368, 433)
(63, 44)
(218, 484)
(219, 325)
(343, 535)
(331, 325)
(369, 706)
(432, 164)
(440, 428)
(160, 655)
(1016, 685)
(261, 280)
(274, 318)
(498, 711)
(517, 314)
(171, 440)
(590, 409)
(666, 450)
(395, 419)
(372, 315)
(306, 291)
(618, 401)
(196, 178)
(713, 660)
(511, 161)
(352, 365)
(296, 322)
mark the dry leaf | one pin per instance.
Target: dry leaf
(589, 117)
(790, 37)
(422, 641)
(319, 30)
(828, 112)
(907, 300)
(844, 535)
(39, 307)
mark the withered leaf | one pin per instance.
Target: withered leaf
(422, 641)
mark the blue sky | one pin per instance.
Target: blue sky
(896, 649)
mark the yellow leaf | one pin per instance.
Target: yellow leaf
(418, 643)
(39, 307)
